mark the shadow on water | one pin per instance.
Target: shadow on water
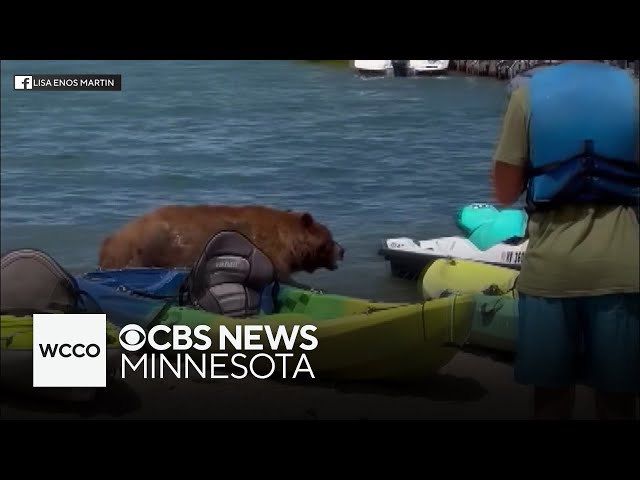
(115, 401)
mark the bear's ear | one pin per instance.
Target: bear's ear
(307, 220)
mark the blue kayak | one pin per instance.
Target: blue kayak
(133, 295)
(140, 295)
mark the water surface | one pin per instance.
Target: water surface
(371, 158)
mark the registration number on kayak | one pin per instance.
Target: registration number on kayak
(512, 257)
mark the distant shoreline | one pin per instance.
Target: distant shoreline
(499, 69)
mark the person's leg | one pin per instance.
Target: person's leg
(613, 354)
(546, 349)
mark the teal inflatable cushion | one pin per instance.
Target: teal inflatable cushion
(471, 216)
(486, 226)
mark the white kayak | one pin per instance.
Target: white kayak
(409, 257)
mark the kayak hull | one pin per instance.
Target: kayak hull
(393, 343)
(494, 321)
(465, 277)
(358, 339)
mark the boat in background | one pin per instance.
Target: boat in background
(401, 68)
(491, 236)
(429, 67)
(375, 68)
(408, 257)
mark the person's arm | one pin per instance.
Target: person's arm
(637, 83)
(508, 170)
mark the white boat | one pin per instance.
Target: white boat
(374, 67)
(428, 67)
(409, 257)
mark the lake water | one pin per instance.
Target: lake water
(371, 158)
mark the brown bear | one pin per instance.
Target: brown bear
(173, 236)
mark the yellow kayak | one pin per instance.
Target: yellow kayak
(357, 339)
(494, 319)
(411, 342)
(465, 277)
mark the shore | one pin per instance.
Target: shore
(507, 69)
(500, 69)
(470, 387)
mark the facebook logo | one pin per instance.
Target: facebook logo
(22, 82)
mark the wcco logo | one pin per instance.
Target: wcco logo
(69, 350)
(66, 350)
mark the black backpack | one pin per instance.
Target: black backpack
(229, 277)
(33, 282)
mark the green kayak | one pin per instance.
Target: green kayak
(357, 339)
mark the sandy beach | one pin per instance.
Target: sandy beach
(470, 387)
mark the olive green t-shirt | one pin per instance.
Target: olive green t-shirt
(574, 250)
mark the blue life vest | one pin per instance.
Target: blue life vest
(583, 136)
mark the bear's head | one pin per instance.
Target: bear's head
(320, 249)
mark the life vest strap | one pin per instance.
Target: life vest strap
(572, 196)
(588, 158)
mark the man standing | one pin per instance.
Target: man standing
(570, 141)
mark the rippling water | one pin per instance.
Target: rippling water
(371, 158)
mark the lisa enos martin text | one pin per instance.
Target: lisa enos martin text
(73, 82)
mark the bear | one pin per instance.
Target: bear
(173, 236)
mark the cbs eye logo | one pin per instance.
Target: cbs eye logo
(132, 338)
(178, 337)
